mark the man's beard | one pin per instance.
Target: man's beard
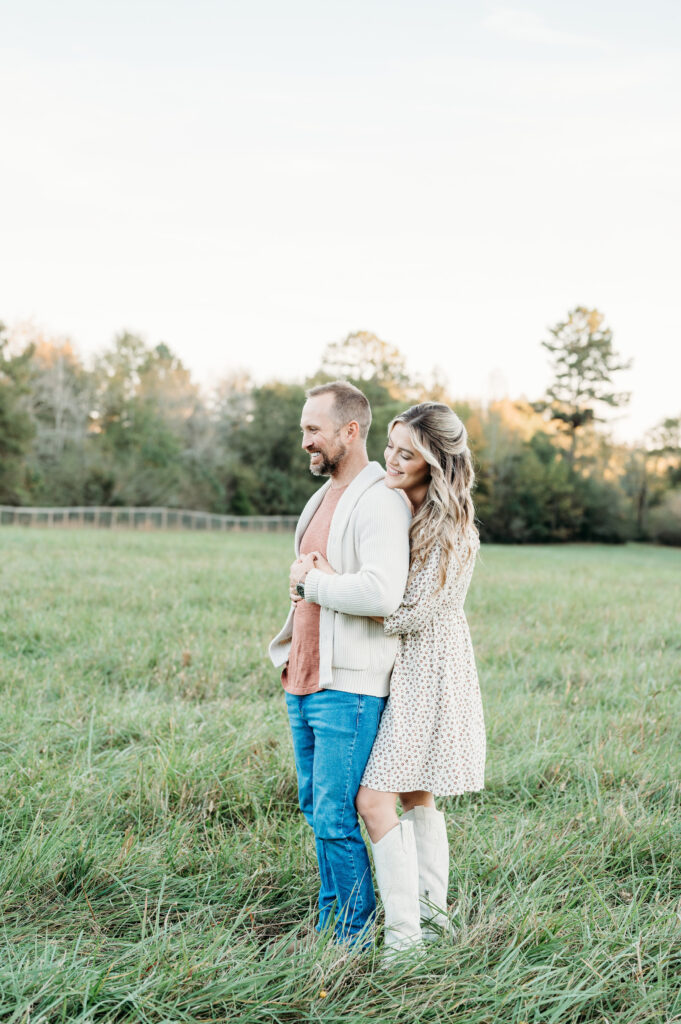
(329, 463)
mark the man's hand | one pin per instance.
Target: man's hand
(297, 573)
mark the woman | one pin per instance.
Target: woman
(431, 740)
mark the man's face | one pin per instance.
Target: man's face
(321, 435)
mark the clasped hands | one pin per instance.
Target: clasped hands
(301, 567)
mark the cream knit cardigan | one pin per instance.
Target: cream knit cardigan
(368, 546)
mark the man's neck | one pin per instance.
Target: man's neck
(349, 468)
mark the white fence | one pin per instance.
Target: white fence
(109, 517)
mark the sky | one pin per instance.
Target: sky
(248, 182)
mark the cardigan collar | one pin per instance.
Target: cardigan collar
(366, 478)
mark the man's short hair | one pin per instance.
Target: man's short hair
(349, 403)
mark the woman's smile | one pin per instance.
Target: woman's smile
(404, 466)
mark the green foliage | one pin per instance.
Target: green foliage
(62, 464)
(267, 444)
(154, 865)
(528, 496)
(383, 410)
(665, 438)
(135, 421)
(583, 364)
(366, 360)
(134, 429)
(16, 427)
(665, 519)
(664, 447)
(605, 516)
(241, 489)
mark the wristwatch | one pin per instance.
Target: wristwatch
(300, 589)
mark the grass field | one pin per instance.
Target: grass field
(153, 862)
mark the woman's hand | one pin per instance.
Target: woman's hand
(321, 563)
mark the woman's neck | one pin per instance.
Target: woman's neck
(417, 496)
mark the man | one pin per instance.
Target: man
(337, 660)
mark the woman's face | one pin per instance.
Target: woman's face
(405, 468)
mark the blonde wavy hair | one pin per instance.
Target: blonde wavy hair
(440, 437)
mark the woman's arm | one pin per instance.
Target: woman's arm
(414, 615)
(423, 601)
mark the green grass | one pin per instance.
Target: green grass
(154, 865)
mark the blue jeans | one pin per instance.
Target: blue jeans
(333, 733)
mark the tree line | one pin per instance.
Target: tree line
(134, 428)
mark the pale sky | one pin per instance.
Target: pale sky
(249, 181)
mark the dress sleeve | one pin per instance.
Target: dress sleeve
(425, 600)
(422, 601)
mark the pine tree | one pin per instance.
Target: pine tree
(583, 363)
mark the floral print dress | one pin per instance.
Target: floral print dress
(432, 731)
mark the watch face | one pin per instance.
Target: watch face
(301, 589)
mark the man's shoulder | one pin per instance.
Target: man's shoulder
(379, 499)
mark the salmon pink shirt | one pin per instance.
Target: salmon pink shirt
(301, 675)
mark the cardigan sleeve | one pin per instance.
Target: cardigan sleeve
(383, 554)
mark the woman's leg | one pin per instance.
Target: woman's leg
(416, 798)
(394, 849)
(377, 810)
(432, 854)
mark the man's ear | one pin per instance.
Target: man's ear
(352, 430)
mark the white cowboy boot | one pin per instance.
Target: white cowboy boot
(432, 854)
(398, 883)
